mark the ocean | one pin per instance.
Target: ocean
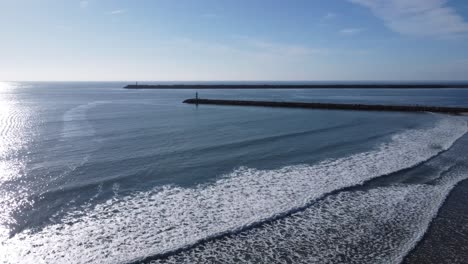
(94, 173)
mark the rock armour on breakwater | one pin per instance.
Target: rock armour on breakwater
(362, 107)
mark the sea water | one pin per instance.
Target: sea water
(91, 172)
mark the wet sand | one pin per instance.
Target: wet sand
(446, 240)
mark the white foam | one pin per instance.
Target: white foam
(169, 218)
(377, 226)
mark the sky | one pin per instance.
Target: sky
(190, 40)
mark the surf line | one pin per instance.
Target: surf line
(331, 106)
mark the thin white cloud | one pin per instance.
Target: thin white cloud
(329, 16)
(242, 57)
(351, 31)
(417, 17)
(274, 48)
(117, 12)
(84, 4)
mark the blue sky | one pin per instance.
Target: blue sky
(141, 40)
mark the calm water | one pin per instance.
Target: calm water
(90, 172)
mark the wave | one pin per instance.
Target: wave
(86, 185)
(199, 151)
(170, 218)
(381, 225)
(237, 144)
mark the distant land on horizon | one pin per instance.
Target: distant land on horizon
(298, 85)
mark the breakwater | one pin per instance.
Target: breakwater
(301, 86)
(331, 106)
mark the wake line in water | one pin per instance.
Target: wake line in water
(76, 122)
(171, 218)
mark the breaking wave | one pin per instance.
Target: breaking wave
(380, 225)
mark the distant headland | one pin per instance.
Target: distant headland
(327, 85)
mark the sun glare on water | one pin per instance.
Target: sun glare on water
(13, 121)
(6, 118)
